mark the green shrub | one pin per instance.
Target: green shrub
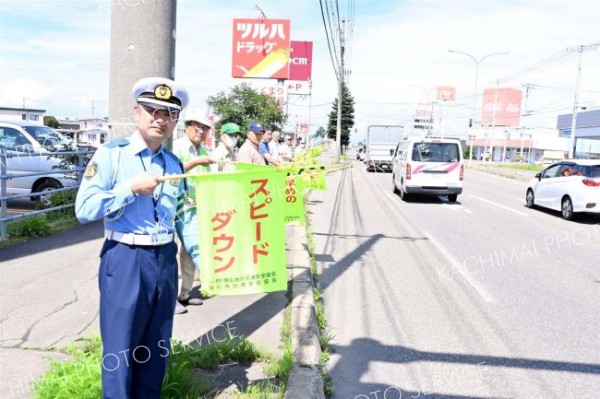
(29, 227)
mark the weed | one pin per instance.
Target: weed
(80, 377)
(29, 227)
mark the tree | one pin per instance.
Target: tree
(243, 105)
(347, 117)
(51, 121)
(320, 132)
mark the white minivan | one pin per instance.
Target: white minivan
(428, 166)
(30, 164)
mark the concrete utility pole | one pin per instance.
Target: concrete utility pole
(338, 132)
(580, 50)
(142, 44)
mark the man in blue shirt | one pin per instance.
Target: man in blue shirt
(126, 184)
(265, 151)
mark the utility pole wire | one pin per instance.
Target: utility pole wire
(329, 41)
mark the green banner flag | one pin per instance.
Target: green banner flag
(242, 231)
(314, 177)
(294, 202)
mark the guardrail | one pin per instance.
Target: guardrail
(71, 169)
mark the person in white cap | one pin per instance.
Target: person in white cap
(285, 150)
(191, 150)
(125, 184)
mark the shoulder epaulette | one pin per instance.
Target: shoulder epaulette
(118, 142)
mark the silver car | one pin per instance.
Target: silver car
(29, 151)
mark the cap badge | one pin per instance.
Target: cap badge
(163, 92)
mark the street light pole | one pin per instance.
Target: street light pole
(477, 62)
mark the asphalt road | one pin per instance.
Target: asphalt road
(484, 298)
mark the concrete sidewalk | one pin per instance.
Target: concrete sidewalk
(49, 298)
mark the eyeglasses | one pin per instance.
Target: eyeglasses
(162, 116)
(198, 126)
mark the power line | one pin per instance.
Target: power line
(329, 40)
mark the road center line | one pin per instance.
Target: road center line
(499, 205)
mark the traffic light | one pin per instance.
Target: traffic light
(470, 122)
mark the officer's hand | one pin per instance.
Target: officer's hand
(145, 184)
(203, 160)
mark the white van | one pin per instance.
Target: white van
(21, 141)
(428, 166)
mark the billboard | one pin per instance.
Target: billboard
(446, 93)
(261, 48)
(301, 60)
(423, 116)
(501, 107)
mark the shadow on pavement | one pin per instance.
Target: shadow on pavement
(76, 235)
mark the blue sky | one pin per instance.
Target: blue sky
(55, 54)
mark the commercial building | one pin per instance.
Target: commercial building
(587, 132)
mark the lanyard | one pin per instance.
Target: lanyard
(156, 198)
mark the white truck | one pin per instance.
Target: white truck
(381, 143)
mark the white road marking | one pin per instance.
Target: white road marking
(461, 269)
(499, 205)
(456, 208)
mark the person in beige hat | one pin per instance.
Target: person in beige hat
(191, 150)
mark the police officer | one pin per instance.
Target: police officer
(126, 184)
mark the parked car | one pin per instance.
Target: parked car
(568, 186)
(90, 138)
(23, 141)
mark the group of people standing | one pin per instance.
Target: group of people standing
(260, 147)
(134, 184)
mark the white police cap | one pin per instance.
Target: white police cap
(157, 92)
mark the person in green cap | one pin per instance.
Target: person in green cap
(224, 153)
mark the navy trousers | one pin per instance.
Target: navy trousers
(138, 290)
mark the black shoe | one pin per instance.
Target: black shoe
(191, 301)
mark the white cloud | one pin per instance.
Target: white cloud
(56, 53)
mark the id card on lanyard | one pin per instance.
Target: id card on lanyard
(160, 235)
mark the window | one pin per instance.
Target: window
(551, 171)
(13, 140)
(34, 117)
(435, 152)
(567, 170)
(24, 117)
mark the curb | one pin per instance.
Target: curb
(305, 380)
